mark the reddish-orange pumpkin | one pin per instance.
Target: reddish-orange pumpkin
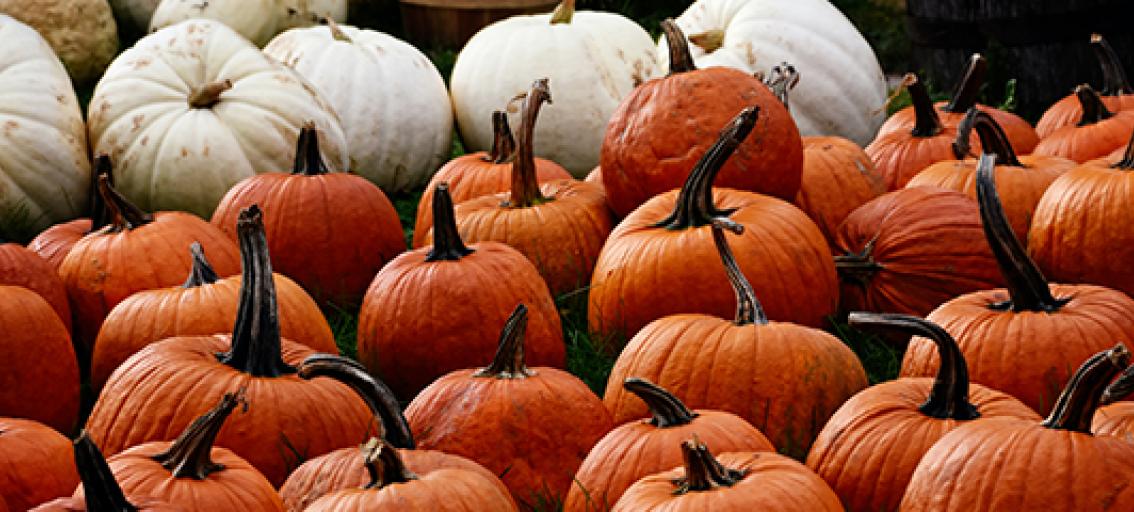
(1117, 94)
(101, 492)
(22, 267)
(666, 125)
(1098, 132)
(838, 176)
(36, 464)
(41, 376)
(55, 242)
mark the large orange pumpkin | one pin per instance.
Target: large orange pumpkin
(22, 267)
(36, 464)
(1116, 92)
(55, 242)
(101, 493)
(838, 176)
(41, 377)
(902, 153)
(1098, 132)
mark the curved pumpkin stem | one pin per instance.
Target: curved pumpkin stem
(694, 207)
(1114, 75)
(100, 490)
(781, 80)
(503, 145)
(509, 360)
(308, 158)
(384, 465)
(992, 138)
(447, 243)
(381, 401)
(949, 397)
(100, 215)
(702, 471)
(926, 121)
(1121, 388)
(1127, 162)
(189, 455)
(1093, 109)
(256, 335)
(126, 215)
(962, 147)
(967, 90)
(1027, 287)
(680, 59)
(858, 267)
(1078, 402)
(208, 95)
(748, 308)
(666, 410)
(563, 12)
(525, 186)
(202, 273)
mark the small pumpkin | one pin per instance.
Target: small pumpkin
(22, 267)
(41, 381)
(902, 153)
(1116, 92)
(36, 464)
(101, 491)
(838, 176)
(1098, 132)
(53, 243)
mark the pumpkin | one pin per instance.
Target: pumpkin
(205, 304)
(100, 491)
(133, 16)
(783, 378)
(837, 178)
(158, 391)
(900, 154)
(184, 125)
(660, 247)
(532, 426)
(845, 89)
(738, 481)
(44, 162)
(42, 379)
(53, 243)
(331, 232)
(991, 464)
(480, 173)
(398, 134)
(256, 20)
(600, 57)
(637, 449)
(662, 128)
(1116, 92)
(22, 267)
(82, 32)
(869, 448)
(560, 225)
(470, 290)
(1098, 132)
(1053, 326)
(36, 464)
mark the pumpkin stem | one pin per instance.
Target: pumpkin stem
(666, 410)
(993, 140)
(1027, 287)
(926, 121)
(202, 273)
(1120, 388)
(503, 145)
(100, 490)
(709, 40)
(508, 363)
(1076, 405)
(965, 94)
(563, 12)
(381, 401)
(858, 267)
(189, 455)
(962, 147)
(336, 31)
(782, 79)
(308, 158)
(949, 397)
(256, 335)
(702, 471)
(680, 59)
(1093, 109)
(748, 308)
(694, 207)
(1127, 162)
(525, 187)
(447, 243)
(100, 215)
(208, 95)
(1114, 75)
(384, 465)
(126, 215)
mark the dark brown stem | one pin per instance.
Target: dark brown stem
(949, 397)
(256, 336)
(748, 308)
(384, 465)
(447, 243)
(100, 490)
(308, 158)
(209, 94)
(1127, 162)
(1027, 287)
(503, 145)
(1093, 109)
(694, 206)
(1121, 388)
(967, 90)
(666, 410)
(962, 148)
(202, 273)
(1076, 406)
(680, 59)
(926, 121)
(1114, 75)
(100, 215)
(702, 471)
(858, 268)
(126, 216)
(378, 397)
(992, 138)
(189, 455)
(525, 185)
(563, 12)
(509, 360)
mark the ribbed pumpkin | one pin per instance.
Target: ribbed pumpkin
(992, 465)
(36, 464)
(55, 242)
(640, 448)
(663, 246)
(470, 291)
(205, 304)
(101, 493)
(22, 267)
(1098, 132)
(1053, 326)
(156, 393)
(1116, 92)
(532, 426)
(902, 153)
(331, 232)
(662, 128)
(41, 380)
(837, 178)
(868, 450)
(479, 174)
(783, 378)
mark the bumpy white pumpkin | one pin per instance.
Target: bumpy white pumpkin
(82, 32)
(841, 90)
(392, 102)
(44, 169)
(593, 61)
(180, 137)
(257, 20)
(133, 16)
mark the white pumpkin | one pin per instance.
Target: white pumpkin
(257, 20)
(82, 32)
(180, 136)
(592, 63)
(44, 168)
(133, 16)
(304, 13)
(392, 102)
(842, 90)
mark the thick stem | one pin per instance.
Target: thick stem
(209, 94)
(709, 40)
(189, 455)
(384, 465)
(126, 216)
(101, 216)
(962, 147)
(379, 398)
(525, 185)
(694, 207)
(748, 308)
(1114, 75)
(926, 121)
(1093, 109)
(509, 360)
(1076, 406)
(202, 273)
(949, 397)
(859, 268)
(336, 31)
(100, 490)
(1121, 388)
(993, 140)
(308, 158)
(666, 410)
(680, 59)
(563, 12)
(256, 335)
(1027, 287)
(503, 145)
(967, 90)
(1127, 162)
(447, 243)
(702, 471)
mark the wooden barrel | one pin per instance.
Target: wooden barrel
(449, 23)
(1043, 44)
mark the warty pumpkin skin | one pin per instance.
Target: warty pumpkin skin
(22, 267)
(837, 178)
(1116, 93)
(53, 243)
(101, 493)
(42, 379)
(1098, 132)
(36, 464)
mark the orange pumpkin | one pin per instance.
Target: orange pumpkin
(22, 267)
(902, 153)
(101, 493)
(41, 380)
(838, 176)
(1117, 94)
(55, 242)
(36, 464)
(1098, 132)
